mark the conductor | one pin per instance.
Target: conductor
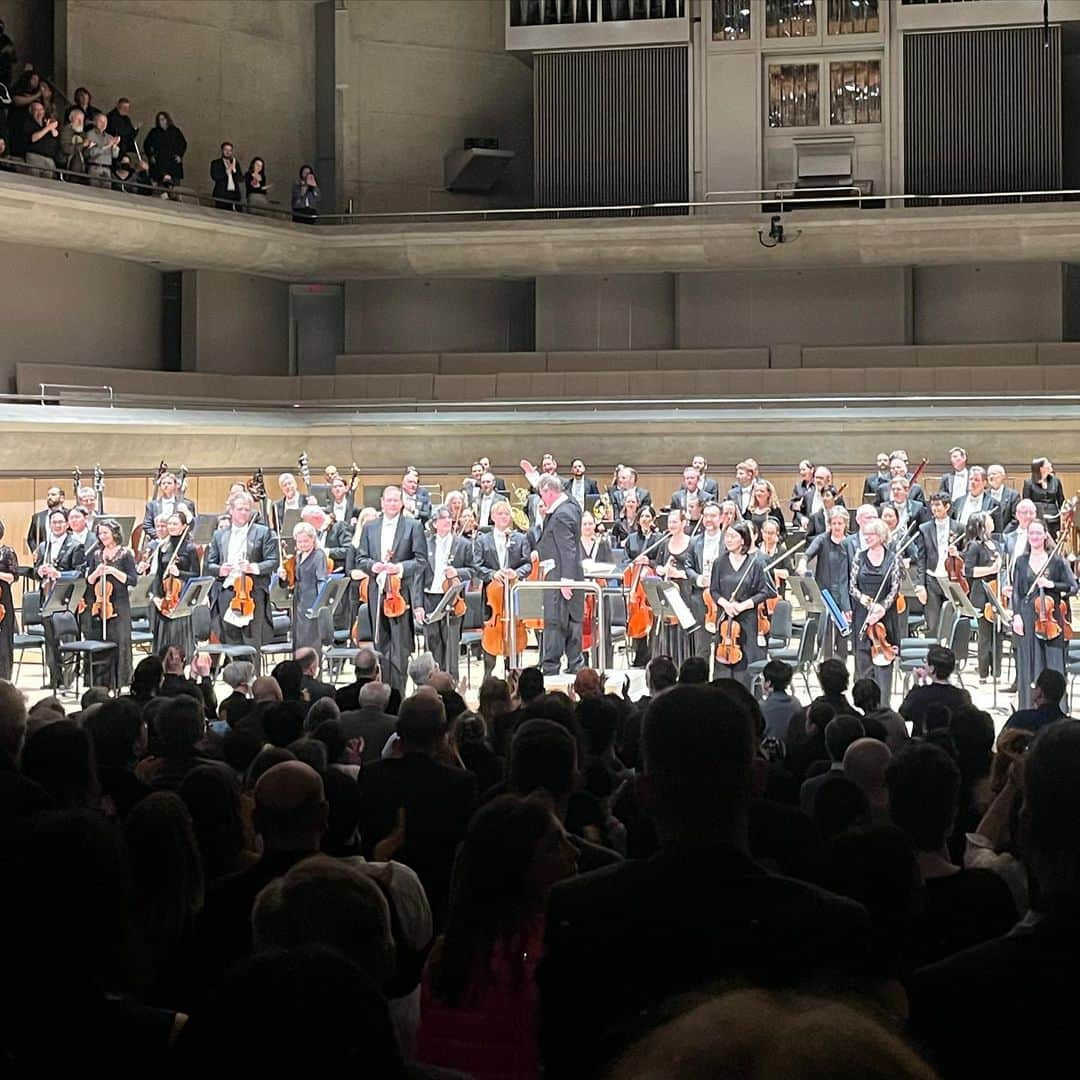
(560, 543)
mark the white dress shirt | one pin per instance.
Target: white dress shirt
(340, 510)
(484, 509)
(502, 543)
(577, 490)
(443, 545)
(943, 533)
(959, 482)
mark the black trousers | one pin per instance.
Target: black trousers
(990, 640)
(443, 638)
(562, 634)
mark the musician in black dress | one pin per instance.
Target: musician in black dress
(764, 506)
(1044, 490)
(737, 586)
(982, 568)
(9, 569)
(167, 568)
(875, 584)
(359, 616)
(312, 570)
(113, 565)
(675, 563)
(831, 555)
(642, 537)
(626, 522)
(1038, 573)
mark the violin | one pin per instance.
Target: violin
(495, 637)
(170, 595)
(287, 573)
(1047, 626)
(882, 651)
(954, 567)
(243, 602)
(459, 606)
(728, 650)
(394, 605)
(103, 593)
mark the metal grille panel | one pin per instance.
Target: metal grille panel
(612, 126)
(982, 111)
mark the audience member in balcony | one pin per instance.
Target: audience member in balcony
(42, 144)
(48, 99)
(255, 185)
(81, 101)
(3, 154)
(165, 148)
(127, 178)
(73, 143)
(7, 55)
(225, 172)
(120, 123)
(24, 93)
(102, 149)
(306, 196)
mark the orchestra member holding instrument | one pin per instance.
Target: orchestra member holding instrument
(393, 553)
(874, 586)
(935, 545)
(675, 563)
(58, 558)
(169, 499)
(764, 506)
(626, 521)
(467, 527)
(177, 561)
(593, 548)
(241, 558)
(1039, 593)
(311, 569)
(704, 551)
(737, 586)
(110, 572)
(356, 595)
(450, 559)
(9, 570)
(501, 554)
(643, 535)
(982, 567)
(1044, 490)
(831, 554)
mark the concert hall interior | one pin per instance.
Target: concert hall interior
(519, 516)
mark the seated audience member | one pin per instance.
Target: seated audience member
(266, 690)
(810, 749)
(660, 674)
(119, 736)
(289, 676)
(370, 721)
(146, 680)
(833, 678)
(698, 913)
(588, 682)
(494, 705)
(325, 708)
(239, 676)
(129, 177)
(866, 762)
(940, 664)
(478, 1009)
(13, 721)
(468, 737)
(416, 803)
(421, 668)
(1047, 697)
(306, 196)
(180, 727)
(290, 817)
(199, 685)
(308, 659)
(779, 707)
(840, 733)
(1025, 978)
(839, 806)
(753, 1033)
(60, 757)
(694, 669)
(366, 665)
(220, 822)
(867, 697)
(121, 125)
(963, 907)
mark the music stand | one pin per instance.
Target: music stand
(64, 596)
(837, 616)
(442, 609)
(196, 593)
(672, 600)
(202, 531)
(651, 585)
(329, 596)
(289, 522)
(959, 598)
(139, 596)
(809, 593)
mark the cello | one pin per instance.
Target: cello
(639, 616)
(495, 637)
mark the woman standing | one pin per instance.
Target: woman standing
(1044, 490)
(165, 148)
(1038, 575)
(982, 568)
(306, 196)
(674, 562)
(765, 507)
(875, 584)
(114, 567)
(626, 522)
(593, 547)
(177, 561)
(644, 535)
(255, 184)
(737, 587)
(831, 555)
(9, 569)
(312, 571)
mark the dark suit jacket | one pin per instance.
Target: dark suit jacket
(678, 498)
(486, 556)
(410, 550)
(736, 493)
(694, 918)
(462, 558)
(915, 494)
(710, 488)
(591, 486)
(618, 496)
(221, 183)
(153, 508)
(560, 540)
(315, 689)
(338, 540)
(70, 561)
(872, 485)
(1005, 511)
(262, 549)
(423, 503)
(985, 504)
(438, 802)
(927, 547)
(350, 510)
(373, 726)
(806, 503)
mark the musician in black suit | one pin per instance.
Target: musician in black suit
(169, 500)
(416, 500)
(626, 480)
(898, 468)
(39, 523)
(936, 537)
(393, 544)
(872, 483)
(485, 466)
(1005, 498)
(470, 486)
(741, 492)
(579, 486)
(976, 500)
(560, 542)
(813, 500)
(910, 512)
(340, 507)
(691, 485)
(955, 482)
(291, 499)
(243, 548)
(709, 488)
(59, 557)
(450, 559)
(503, 552)
(485, 496)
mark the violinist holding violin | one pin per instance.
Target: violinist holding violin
(874, 586)
(450, 559)
(9, 570)
(935, 546)
(241, 557)
(704, 551)
(982, 568)
(1039, 593)
(393, 553)
(177, 561)
(110, 573)
(737, 585)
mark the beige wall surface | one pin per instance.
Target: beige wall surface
(419, 76)
(60, 307)
(241, 70)
(29, 25)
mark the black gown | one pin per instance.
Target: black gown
(991, 634)
(169, 631)
(1033, 654)
(754, 586)
(117, 673)
(9, 564)
(311, 573)
(674, 639)
(883, 584)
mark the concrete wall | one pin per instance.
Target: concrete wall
(235, 324)
(224, 69)
(1000, 302)
(418, 76)
(78, 310)
(446, 315)
(30, 25)
(617, 311)
(867, 306)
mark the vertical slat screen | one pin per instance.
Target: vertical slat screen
(612, 126)
(982, 111)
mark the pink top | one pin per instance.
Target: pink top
(491, 1034)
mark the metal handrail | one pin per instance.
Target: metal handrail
(73, 386)
(548, 586)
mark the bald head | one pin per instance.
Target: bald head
(865, 763)
(290, 810)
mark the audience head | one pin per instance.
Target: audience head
(332, 735)
(13, 720)
(421, 668)
(1049, 688)
(840, 733)
(283, 722)
(924, 786)
(366, 663)
(421, 723)
(866, 762)
(832, 677)
(290, 808)
(266, 688)
(1050, 813)
(543, 756)
(212, 796)
(180, 725)
(839, 805)
(117, 731)
(940, 661)
(494, 698)
(588, 682)
(530, 684)
(660, 673)
(866, 695)
(693, 670)
(147, 676)
(374, 695)
(289, 676)
(777, 676)
(60, 757)
(263, 761)
(599, 720)
(819, 716)
(321, 711)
